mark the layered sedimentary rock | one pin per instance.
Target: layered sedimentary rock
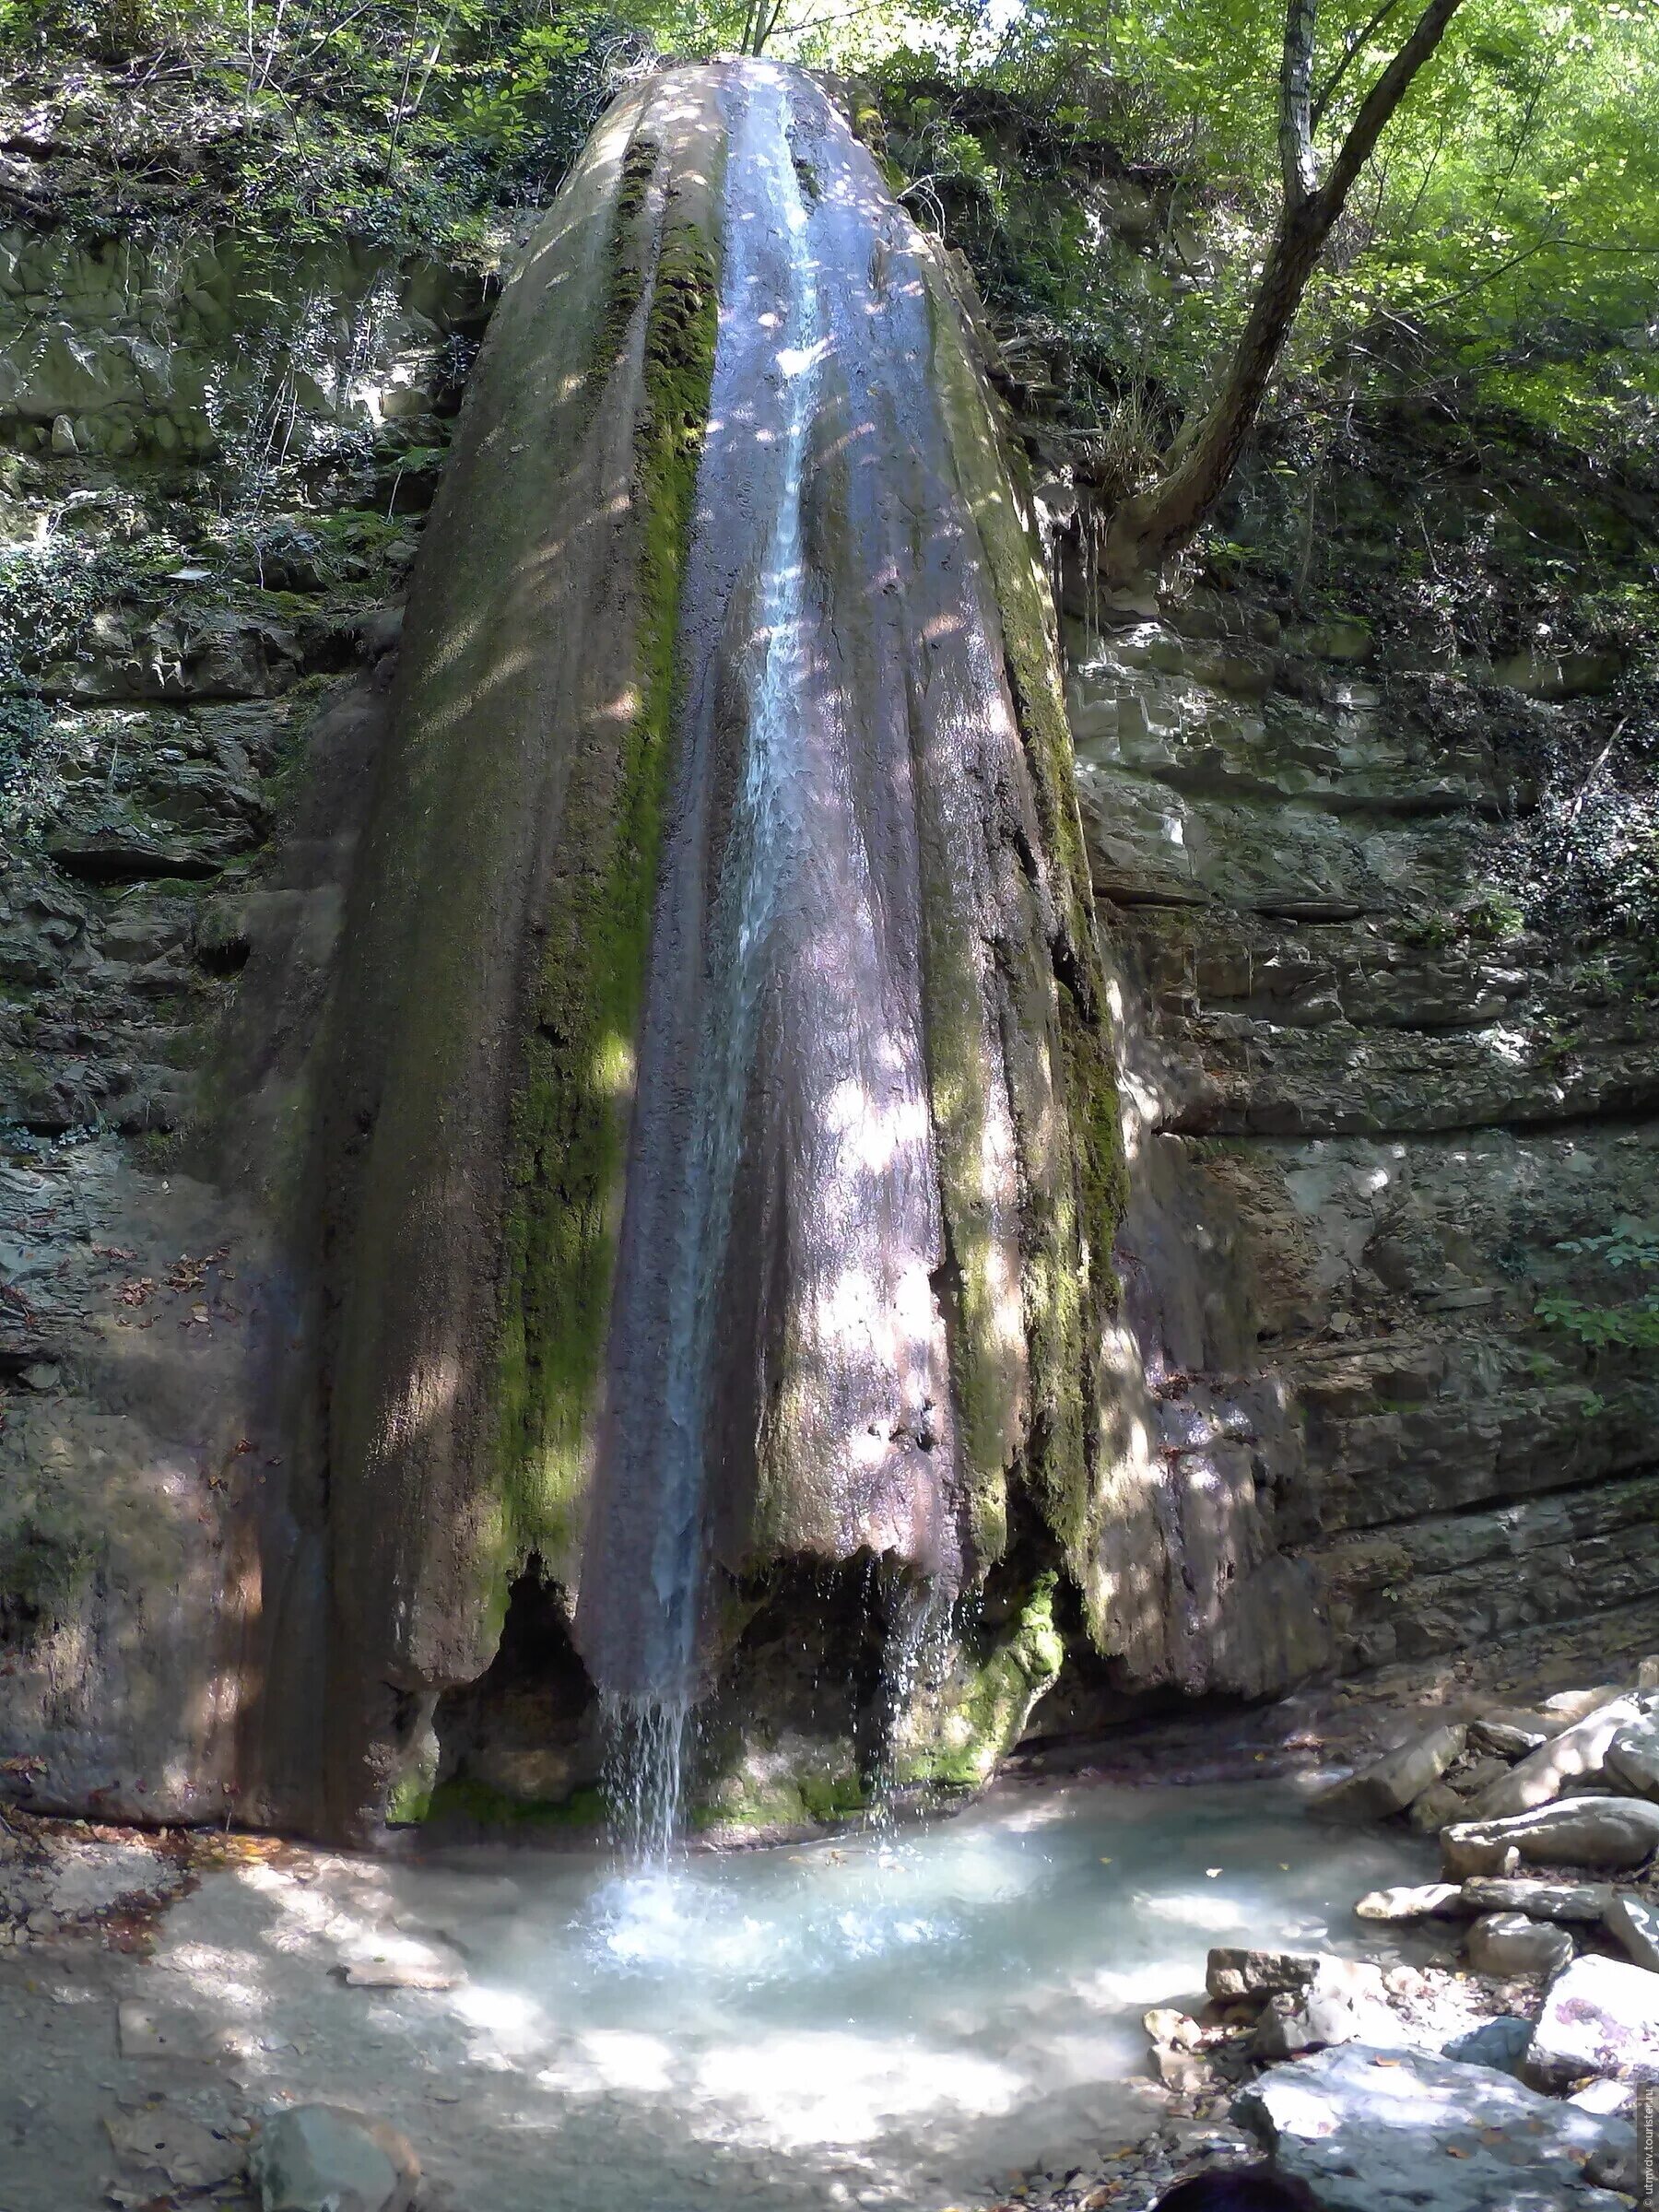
(1373, 1119)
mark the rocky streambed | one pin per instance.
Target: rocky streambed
(954, 2016)
(1513, 2060)
(926, 2017)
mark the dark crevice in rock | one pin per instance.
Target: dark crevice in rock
(525, 1732)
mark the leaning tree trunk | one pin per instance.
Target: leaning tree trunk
(1153, 524)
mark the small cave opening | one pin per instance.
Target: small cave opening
(795, 1727)
(525, 1734)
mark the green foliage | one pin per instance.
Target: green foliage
(403, 122)
(1630, 1326)
(50, 591)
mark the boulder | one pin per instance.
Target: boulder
(1231, 1972)
(1508, 1739)
(1343, 2003)
(1501, 2044)
(1613, 1832)
(1437, 1808)
(1420, 1901)
(1409, 2131)
(1568, 1705)
(1581, 1749)
(1584, 1902)
(1647, 1674)
(1600, 2017)
(1633, 1923)
(1395, 1781)
(1511, 1947)
(1632, 1759)
(321, 2157)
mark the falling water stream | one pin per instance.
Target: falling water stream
(792, 872)
(762, 851)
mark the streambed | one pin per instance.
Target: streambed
(900, 2020)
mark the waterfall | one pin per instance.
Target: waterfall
(708, 1202)
(668, 1450)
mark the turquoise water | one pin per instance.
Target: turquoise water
(888, 2021)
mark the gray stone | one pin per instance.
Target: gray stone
(1399, 1778)
(1231, 1972)
(1581, 1749)
(1511, 1947)
(1647, 1674)
(1633, 1757)
(1343, 2003)
(1613, 1832)
(320, 2158)
(1585, 1901)
(1633, 1923)
(173, 2145)
(1408, 2131)
(1570, 1705)
(1471, 1776)
(1437, 1808)
(1600, 2017)
(1503, 1737)
(1421, 1900)
(1604, 2097)
(402, 1973)
(1501, 2044)
(1538, 1727)
(1175, 2039)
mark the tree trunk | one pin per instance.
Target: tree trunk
(1152, 525)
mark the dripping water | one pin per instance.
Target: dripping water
(914, 1659)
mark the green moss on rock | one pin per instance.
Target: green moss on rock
(462, 1799)
(983, 1724)
(813, 1797)
(571, 1113)
(1072, 1160)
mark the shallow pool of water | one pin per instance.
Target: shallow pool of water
(898, 2021)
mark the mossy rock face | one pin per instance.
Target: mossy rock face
(982, 1714)
(726, 819)
(474, 1806)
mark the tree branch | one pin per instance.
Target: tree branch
(1352, 49)
(1152, 525)
(1382, 100)
(1296, 164)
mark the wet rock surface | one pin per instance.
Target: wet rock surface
(1376, 1102)
(322, 2158)
(1574, 1832)
(1371, 2131)
(1601, 2017)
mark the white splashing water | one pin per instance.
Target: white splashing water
(762, 2031)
